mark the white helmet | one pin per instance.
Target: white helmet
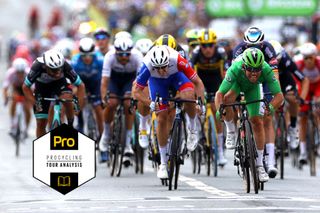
(308, 49)
(20, 64)
(159, 56)
(122, 34)
(86, 45)
(253, 35)
(53, 59)
(144, 45)
(277, 47)
(123, 44)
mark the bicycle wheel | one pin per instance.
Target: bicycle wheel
(281, 143)
(17, 136)
(173, 155)
(252, 154)
(311, 147)
(213, 146)
(114, 152)
(121, 140)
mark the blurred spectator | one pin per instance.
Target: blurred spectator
(56, 18)
(33, 21)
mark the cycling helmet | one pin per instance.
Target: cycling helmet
(159, 56)
(277, 47)
(20, 64)
(123, 44)
(253, 59)
(122, 34)
(144, 45)
(253, 35)
(168, 40)
(86, 45)
(53, 59)
(207, 36)
(308, 49)
(101, 33)
(192, 37)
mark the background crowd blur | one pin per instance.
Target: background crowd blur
(74, 19)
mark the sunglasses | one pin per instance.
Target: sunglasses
(123, 54)
(252, 69)
(86, 54)
(101, 37)
(209, 45)
(158, 68)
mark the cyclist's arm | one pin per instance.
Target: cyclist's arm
(140, 83)
(106, 73)
(274, 87)
(28, 93)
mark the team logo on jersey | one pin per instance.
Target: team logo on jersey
(228, 78)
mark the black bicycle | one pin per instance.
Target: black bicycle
(118, 137)
(245, 153)
(177, 147)
(312, 135)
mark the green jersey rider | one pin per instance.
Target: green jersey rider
(246, 74)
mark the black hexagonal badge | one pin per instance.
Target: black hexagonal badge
(64, 159)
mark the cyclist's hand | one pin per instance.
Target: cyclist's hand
(221, 112)
(152, 106)
(269, 110)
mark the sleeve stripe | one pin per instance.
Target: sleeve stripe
(140, 85)
(78, 81)
(27, 82)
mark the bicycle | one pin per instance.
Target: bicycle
(245, 153)
(138, 150)
(177, 146)
(118, 137)
(312, 135)
(57, 102)
(208, 144)
(18, 124)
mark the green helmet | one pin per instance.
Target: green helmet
(253, 59)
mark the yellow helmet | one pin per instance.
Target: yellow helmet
(207, 36)
(168, 40)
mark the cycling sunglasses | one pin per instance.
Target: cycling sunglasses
(86, 54)
(101, 37)
(209, 45)
(123, 54)
(252, 69)
(307, 57)
(158, 68)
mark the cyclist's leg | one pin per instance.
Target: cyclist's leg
(66, 93)
(230, 98)
(27, 112)
(256, 118)
(186, 89)
(160, 87)
(41, 112)
(12, 112)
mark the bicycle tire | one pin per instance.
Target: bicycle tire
(173, 153)
(283, 142)
(311, 147)
(199, 158)
(122, 140)
(214, 154)
(114, 152)
(136, 143)
(252, 154)
(194, 161)
(17, 137)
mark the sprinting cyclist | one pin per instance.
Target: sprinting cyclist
(102, 38)
(88, 65)
(309, 65)
(208, 60)
(119, 71)
(49, 73)
(13, 81)
(246, 74)
(164, 67)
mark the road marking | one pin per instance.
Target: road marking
(204, 187)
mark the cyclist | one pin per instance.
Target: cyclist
(246, 74)
(254, 37)
(122, 34)
(49, 73)
(102, 38)
(192, 39)
(88, 65)
(208, 61)
(119, 71)
(164, 67)
(144, 110)
(14, 81)
(310, 67)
